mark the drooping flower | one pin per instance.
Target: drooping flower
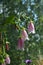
(7, 45)
(20, 44)
(31, 28)
(24, 35)
(7, 59)
(28, 61)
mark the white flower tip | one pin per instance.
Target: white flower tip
(33, 32)
(23, 49)
(7, 42)
(27, 38)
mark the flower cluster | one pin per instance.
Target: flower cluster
(24, 35)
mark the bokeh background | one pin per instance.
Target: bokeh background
(15, 14)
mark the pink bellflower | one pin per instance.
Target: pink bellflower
(7, 60)
(20, 45)
(24, 35)
(31, 28)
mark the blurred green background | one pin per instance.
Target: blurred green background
(15, 14)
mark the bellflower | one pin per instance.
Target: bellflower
(7, 60)
(31, 28)
(24, 35)
(20, 43)
(7, 45)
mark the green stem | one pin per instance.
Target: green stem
(3, 46)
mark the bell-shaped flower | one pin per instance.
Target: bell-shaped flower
(7, 45)
(7, 60)
(20, 45)
(31, 28)
(24, 35)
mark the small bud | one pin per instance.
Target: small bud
(28, 61)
